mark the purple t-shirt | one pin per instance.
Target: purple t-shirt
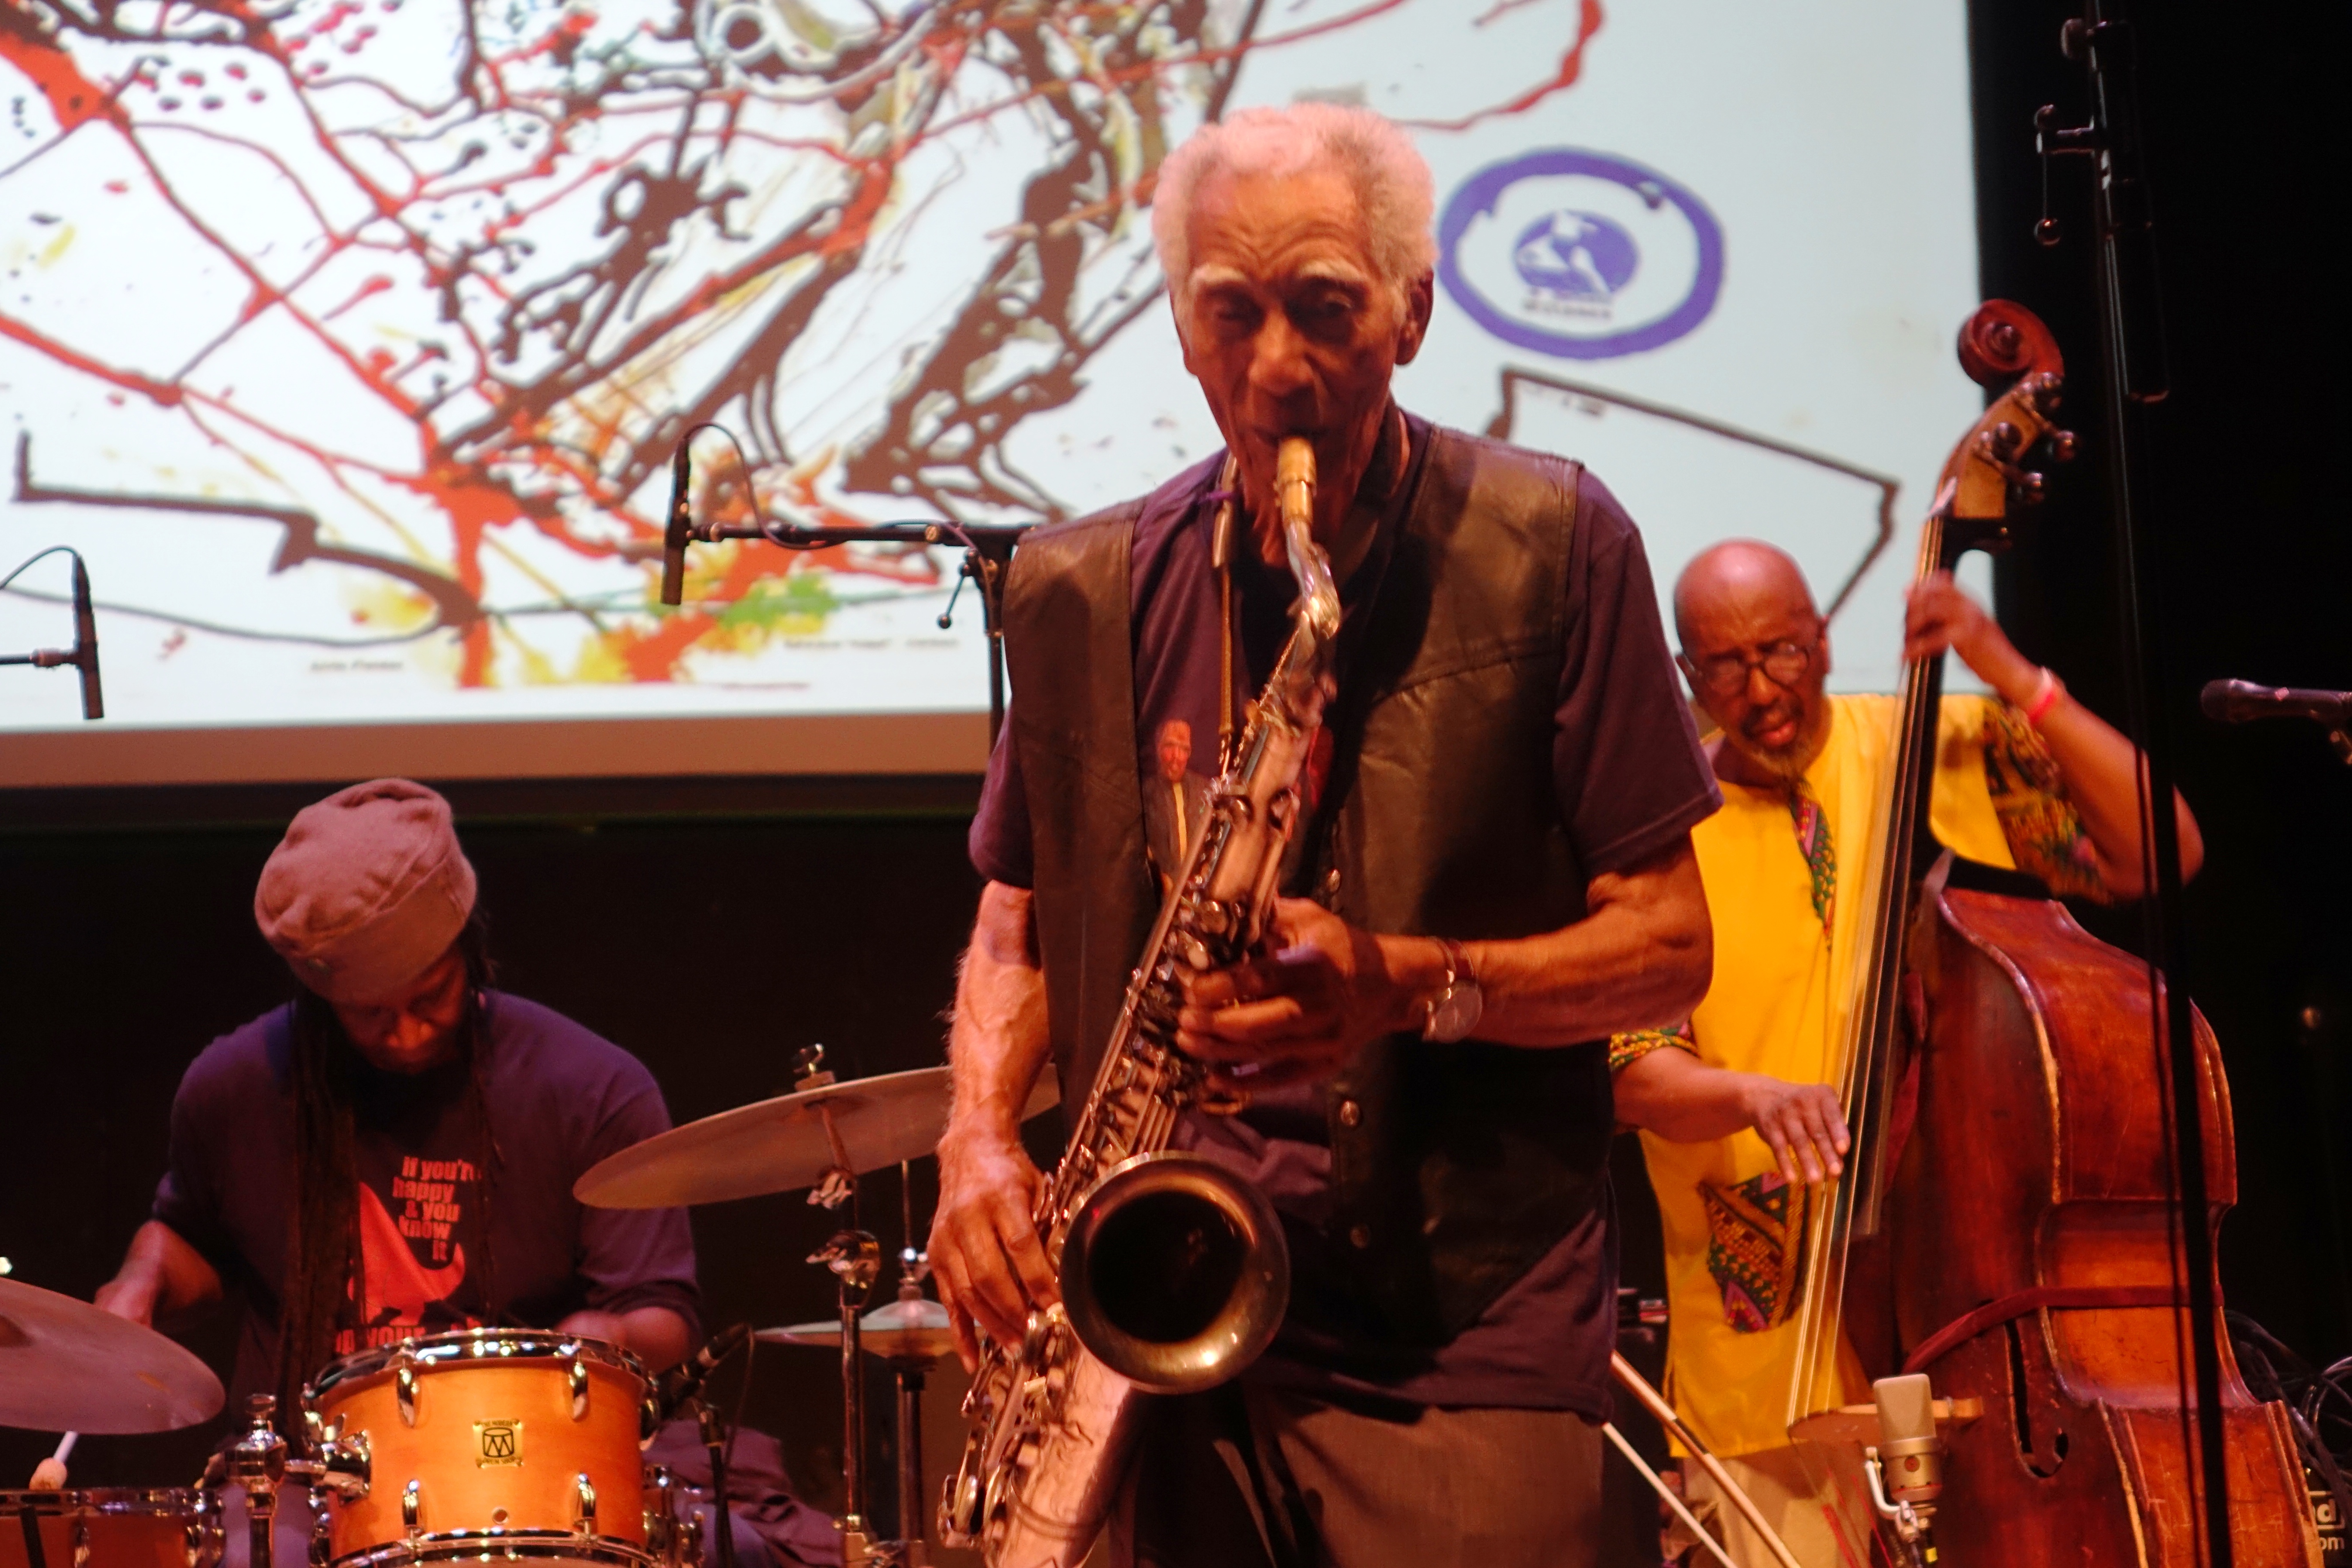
(442, 1250)
(1630, 780)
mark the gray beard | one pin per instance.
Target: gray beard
(1789, 766)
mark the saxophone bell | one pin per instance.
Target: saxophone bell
(1175, 1272)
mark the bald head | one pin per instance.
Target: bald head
(1739, 577)
(1756, 654)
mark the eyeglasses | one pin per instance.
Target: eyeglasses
(1784, 663)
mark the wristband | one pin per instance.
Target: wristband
(2045, 697)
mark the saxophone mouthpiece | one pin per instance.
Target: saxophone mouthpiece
(1293, 479)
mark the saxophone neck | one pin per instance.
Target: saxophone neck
(1294, 494)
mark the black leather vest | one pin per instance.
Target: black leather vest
(1454, 1166)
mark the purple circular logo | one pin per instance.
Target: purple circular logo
(1581, 254)
(1575, 253)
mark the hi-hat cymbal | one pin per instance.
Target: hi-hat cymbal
(904, 1331)
(777, 1146)
(68, 1367)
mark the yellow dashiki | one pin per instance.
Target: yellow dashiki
(1783, 871)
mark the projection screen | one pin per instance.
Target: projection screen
(349, 340)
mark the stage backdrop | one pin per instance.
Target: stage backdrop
(349, 340)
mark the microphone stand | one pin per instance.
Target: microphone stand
(987, 553)
(2131, 339)
(83, 655)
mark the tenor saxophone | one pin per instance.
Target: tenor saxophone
(1173, 1269)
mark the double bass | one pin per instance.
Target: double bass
(2008, 1224)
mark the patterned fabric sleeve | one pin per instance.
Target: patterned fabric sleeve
(2043, 830)
(1626, 1049)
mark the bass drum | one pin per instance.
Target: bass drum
(492, 1443)
(115, 1526)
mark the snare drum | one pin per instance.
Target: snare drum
(490, 1443)
(113, 1527)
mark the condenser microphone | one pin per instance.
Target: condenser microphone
(85, 650)
(1908, 1448)
(678, 529)
(683, 1382)
(2241, 701)
(84, 656)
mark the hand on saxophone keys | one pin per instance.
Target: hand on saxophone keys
(1323, 990)
(990, 1267)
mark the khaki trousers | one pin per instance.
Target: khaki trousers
(1254, 1478)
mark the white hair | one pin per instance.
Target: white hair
(1379, 161)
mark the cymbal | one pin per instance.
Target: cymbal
(777, 1146)
(903, 1330)
(68, 1367)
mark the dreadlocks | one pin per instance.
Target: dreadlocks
(326, 1283)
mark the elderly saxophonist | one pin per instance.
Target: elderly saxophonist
(1493, 873)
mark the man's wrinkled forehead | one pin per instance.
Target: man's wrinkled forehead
(1280, 229)
(1336, 270)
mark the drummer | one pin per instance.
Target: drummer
(392, 1152)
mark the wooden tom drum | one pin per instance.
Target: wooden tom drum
(110, 1527)
(489, 1443)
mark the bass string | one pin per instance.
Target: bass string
(1829, 1244)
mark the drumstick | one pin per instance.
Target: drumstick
(1663, 1413)
(1657, 1484)
(49, 1475)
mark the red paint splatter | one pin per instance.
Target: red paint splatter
(509, 468)
(72, 96)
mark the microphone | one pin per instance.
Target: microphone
(85, 650)
(1907, 1445)
(681, 1384)
(678, 529)
(84, 656)
(2242, 702)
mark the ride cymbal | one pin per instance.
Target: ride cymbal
(781, 1144)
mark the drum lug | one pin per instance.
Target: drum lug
(322, 1550)
(411, 1507)
(403, 1382)
(81, 1544)
(579, 1376)
(649, 1421)
(345, 1465)
(584, 1520)
(661, 1515)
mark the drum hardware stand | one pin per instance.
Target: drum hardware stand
(855, 1258)
(257, 1463)
(914, 1267)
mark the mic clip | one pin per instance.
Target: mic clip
(1905, 1466)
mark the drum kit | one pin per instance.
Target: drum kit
(497, 1443)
